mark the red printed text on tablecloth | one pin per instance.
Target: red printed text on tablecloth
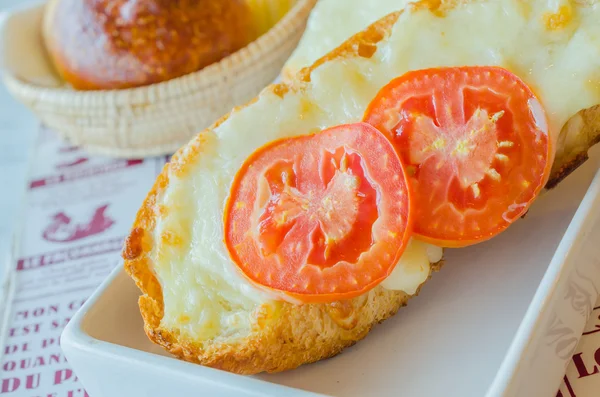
(79, 210)
(33, 363)
(583, 374)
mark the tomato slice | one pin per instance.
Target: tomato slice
(322, 217)
(474, 141)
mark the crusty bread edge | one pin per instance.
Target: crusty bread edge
(287, 335)
(274, 347)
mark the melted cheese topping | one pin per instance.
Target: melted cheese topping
(559, 57)
(329, 25)
(414, 267)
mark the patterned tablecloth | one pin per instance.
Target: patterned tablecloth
(78, 211)
(583, 375)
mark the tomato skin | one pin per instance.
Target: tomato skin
(475, 143)
(320, 218)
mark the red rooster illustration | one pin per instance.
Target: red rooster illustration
(62, 229)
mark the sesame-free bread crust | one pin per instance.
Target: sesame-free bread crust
(100, 44)
(286, 336)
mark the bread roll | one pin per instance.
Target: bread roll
(267, 13)
(102, 44)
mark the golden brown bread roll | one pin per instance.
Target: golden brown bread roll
(114, 44)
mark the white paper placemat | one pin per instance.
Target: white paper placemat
(583, 375)
(78, 211)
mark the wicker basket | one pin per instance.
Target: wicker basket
(159, 118)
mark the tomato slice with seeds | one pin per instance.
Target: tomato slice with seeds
(322, 217)
(474, 141)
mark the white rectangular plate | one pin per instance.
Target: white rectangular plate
(501, 318)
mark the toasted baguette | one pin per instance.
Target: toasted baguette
(285, 335)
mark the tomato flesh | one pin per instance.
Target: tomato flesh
(475, 144)
(322, 217)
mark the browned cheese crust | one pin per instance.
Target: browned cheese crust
(580, 133)
(101, 44)
(289, 335)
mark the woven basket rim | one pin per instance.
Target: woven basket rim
(253, 52)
